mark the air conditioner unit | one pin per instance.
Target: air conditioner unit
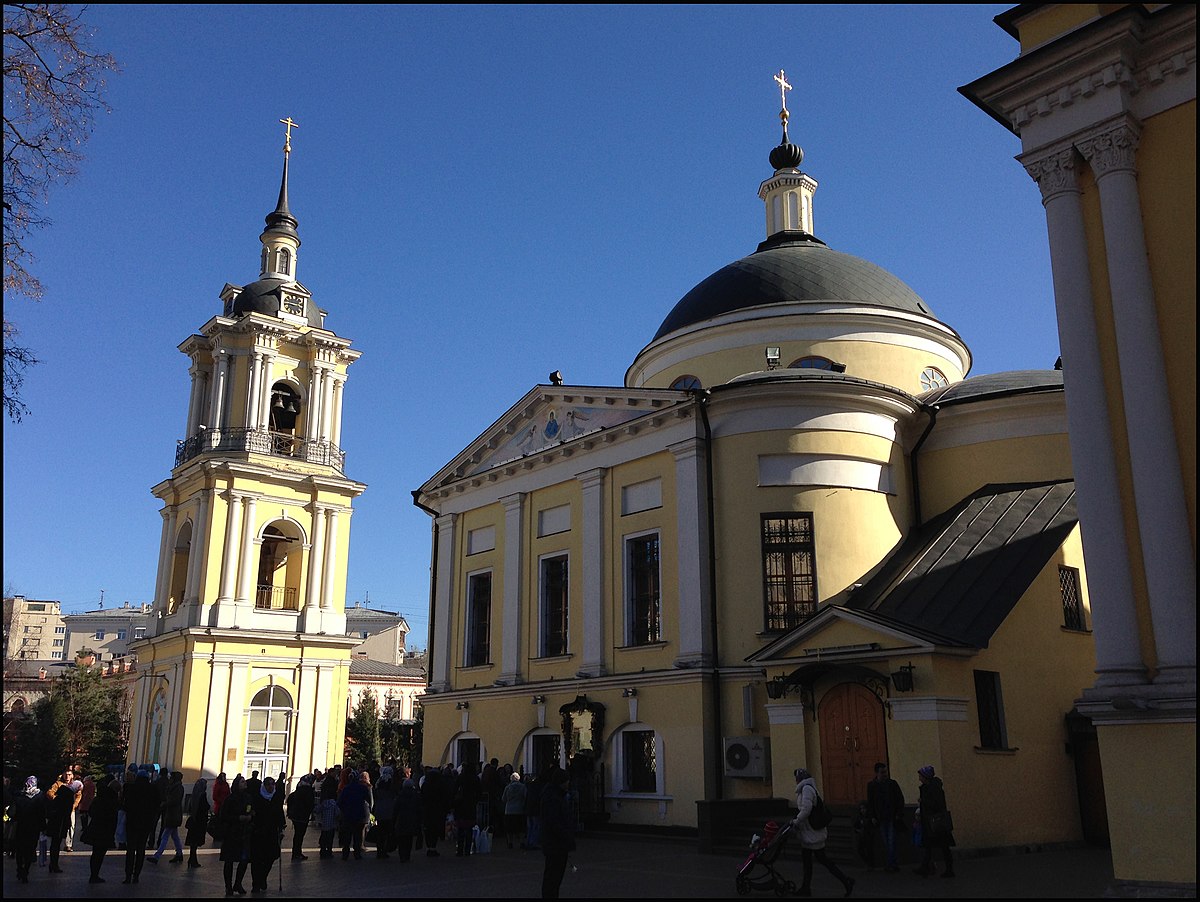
(747, 756)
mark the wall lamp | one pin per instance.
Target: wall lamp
(539, 699)
(902, 679)
(631, 692)
(462, 706)
(780, 687)
(772, 358)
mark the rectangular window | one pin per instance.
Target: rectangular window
(59, 642)
(789, 570)
(37, 607)
(554, 606)
(139, 632)
(1072, 601)
(990, 705)
(57, 655)
(545, 751)
(469, 751)
(642, 586)
(99, 634)
(479, 619)
(120, 634)
(60, 629)
(640, 764)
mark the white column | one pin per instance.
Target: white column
(230, 551)
(316, 555)
(1118, 657)
(235, 715)
(326, 405)
(329, 565)
(246, 575)
(264, 391)
(216, 408)
(1168, 558)
(195, 578)
(312, 405)
(194, 401)
(166, 552)
(336, 432)
(252, 392)
(691, 522)
(514, 542)
(592, 533)
(440, 646)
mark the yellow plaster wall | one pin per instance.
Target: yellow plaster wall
(1052, 20)
(1151, 809)
(571, 542)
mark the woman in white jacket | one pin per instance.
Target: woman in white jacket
(812, 841)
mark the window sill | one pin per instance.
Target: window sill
(979, 750)
(1077, 632)
(623, 796)
(661, 644)
(551, 659)
(488, 666)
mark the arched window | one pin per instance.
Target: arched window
(285, 410)
(279, 566)
(179, 567)
(812, 362)
(686, 382)
(268, 730)
(932, 377)
(265, 255)
(285, 261)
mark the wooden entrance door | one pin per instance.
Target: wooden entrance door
(851, 725)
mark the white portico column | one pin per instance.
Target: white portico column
(246, 575)
(440, 643)
(1118, 657)
(592, 482)
(1168, 559)
(316, 554)
(195, 575)
(195, 400)
(229, 564)
(691, 519)
(326, 405)
(264, 392)
(336, 432)
(251, 417)
(166, 557)
(313, 410)
(329, 558)
(514, 542)
(217, 396)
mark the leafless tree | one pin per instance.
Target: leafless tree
(53, 87)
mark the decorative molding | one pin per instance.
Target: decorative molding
(785, 713)
(929, 708)
(1113, 149)
(1054, 173)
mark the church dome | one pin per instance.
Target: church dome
(788, 268)
(991, 385)
(265, 296)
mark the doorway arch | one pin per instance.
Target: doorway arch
(853, 738)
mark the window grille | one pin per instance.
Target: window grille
(1072, 602)
(990, 706)
(644, 593)
(789, 570)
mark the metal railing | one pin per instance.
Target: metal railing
(260, 441)
(275, 598)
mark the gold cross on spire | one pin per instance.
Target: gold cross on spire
(287, 141)
(784, 87)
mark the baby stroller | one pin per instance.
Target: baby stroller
(758, 870)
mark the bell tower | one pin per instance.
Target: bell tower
(247, 665)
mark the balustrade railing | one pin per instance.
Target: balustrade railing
(275, 598)
(261, 441)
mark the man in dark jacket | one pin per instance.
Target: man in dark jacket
(141, 804)
(935, 830)
(434, 806)
(265, 830)
(300, 806)
(58, 815)
(558, 829)
(885, 809)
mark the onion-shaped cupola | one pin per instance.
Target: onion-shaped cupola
(788, 194)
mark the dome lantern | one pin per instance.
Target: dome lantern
(788, 194)
(280, 240)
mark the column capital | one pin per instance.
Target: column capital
(445, 522)
(1054, 171)
(1111, 147)
(592, 478)
(687, 449)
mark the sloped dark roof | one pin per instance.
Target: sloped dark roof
(960, 575)
(1013, 382)
(364, 667)
(791, 267)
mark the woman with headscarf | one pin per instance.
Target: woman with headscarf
(935, 833)
(384, 808)
(354, 803)
(101, 828)
(28, 812)
(327, 813)
(408, 819)
(300, 806)
(220, 792)
(197, 822)
(265, 831)
(236, 815)
(812, 839)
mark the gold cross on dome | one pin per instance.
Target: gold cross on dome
(784, 87)
(287, 141)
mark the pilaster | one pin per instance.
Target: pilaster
(594, 639)
(514, 546)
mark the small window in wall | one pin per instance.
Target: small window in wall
(640, 760)
(990, 706)
(58, 654)
(686, 383)
(265, 257)
(121, 634)
(812, 362)
(789, 570)
(932, 377)
(642, 586)
(479, 620)
(555, 604)
(469, 750)
(59, 642)
(60, 629)
(1072, 600)
(285, 261)
(99, 634)
(545, 751)
(139, 632)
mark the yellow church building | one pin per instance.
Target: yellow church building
(796, 534)
(1103, 100)
(247, 664)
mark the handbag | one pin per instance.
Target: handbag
(941, 824)
(821, 816)
(216, 829)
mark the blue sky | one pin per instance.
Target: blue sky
(485, 194)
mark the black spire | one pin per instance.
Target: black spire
(281, 220)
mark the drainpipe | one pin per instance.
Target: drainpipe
(432, 590)
(703, 396)
(932, 410)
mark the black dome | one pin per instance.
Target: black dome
(263, 296)
(789, 267)
(1012, 382)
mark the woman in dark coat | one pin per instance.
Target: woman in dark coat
(466, 801)
(408, 819)
(236, 816)
(101, 829)
(434, 805)
(300, 806)
(266, 828)
(197, 822)
(384, 808)
(355, 805)
(60, 802)
(28, 811)
(558, 829)
(140, 801)
(327, 817)
(933, 833)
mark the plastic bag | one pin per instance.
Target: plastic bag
(483, 841)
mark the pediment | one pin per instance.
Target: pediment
(839, 633)
(549, 417)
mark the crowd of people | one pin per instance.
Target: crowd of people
(396, 810)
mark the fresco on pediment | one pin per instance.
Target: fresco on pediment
(553, 425)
